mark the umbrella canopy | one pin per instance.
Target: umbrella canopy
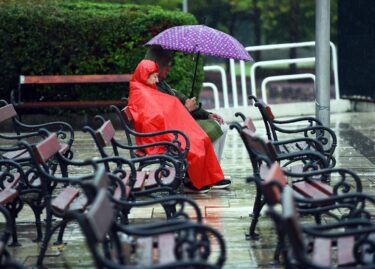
(201, 39)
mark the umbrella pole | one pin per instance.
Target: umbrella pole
(195, 74)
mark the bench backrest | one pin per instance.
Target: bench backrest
(249, 124)
(272, 191)
(262, 149)
(127, 114)
(100, 216)
(74, 79)
(266, 110)
(291, 223)
(7, 112)
(47, 148)
(68, 79)
(105, 133)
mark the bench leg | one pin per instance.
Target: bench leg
(60, 236)
(44, 246)
(37, 208)
(170, 210)
(14, 208)
(258, 205)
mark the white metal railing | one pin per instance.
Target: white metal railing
(223, 81)
(264, 63)
(215, 92)
(281, 78)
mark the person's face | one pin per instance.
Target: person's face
(164, 72)
(153, 78)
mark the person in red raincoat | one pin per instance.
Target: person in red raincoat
(153, 110)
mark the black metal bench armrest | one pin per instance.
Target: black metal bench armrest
(20, 136)
(9, 169)
(59, 127)
(348, 181)
(240, 115)
(349, 227)
(304, 155)
(312, 143)
(310, 121)
(176, 133)
(171, 148)
(178, 201)
(320, 131)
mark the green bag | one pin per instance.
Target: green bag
(212, 128)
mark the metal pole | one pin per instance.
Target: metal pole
(322, 63)
(185, 5)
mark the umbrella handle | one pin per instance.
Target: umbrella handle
(199, 107)
(195, 74)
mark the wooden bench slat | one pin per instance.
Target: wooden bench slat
(7, 112)
(7, 196)
(345, 250)
(63, 148)
(151, 181)
(14, 154)
(263, 171)
(323, 187)
(322, 251)
(80, 104)
(166, 245)
(308, 190)
(70, 79)
(141, 177)
(65, 198)
(14, 182)
(79, 204)
(144, 252)
(76, 79)
(47, 148)
(275, 173)
(105, 133)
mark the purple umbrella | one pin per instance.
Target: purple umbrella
(200, 39)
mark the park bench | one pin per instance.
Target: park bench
(24, 131)
(11, 175)
(291, 145)
(63, 194)
(341, 244)
(170, 244)
(308, 127)
(176, 137)
(170, 170)
(312, 179)
(339, 201)
(45, 80)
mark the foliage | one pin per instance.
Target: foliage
(257, 22)
(81, 37)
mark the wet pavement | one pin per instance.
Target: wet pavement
(227, 210)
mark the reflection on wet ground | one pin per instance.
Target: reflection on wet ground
(227, 210)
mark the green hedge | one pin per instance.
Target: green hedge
(83, 37)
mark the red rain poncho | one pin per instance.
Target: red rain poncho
(153, 111)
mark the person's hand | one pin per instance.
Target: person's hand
(218, 118)
(191, 104)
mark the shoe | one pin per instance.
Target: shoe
(189, 188)
(222, 184)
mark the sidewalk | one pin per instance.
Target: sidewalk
(226, 210)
